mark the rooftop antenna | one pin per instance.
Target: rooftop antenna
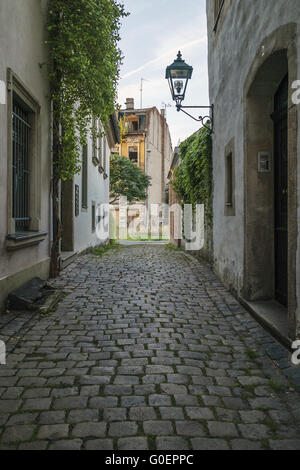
(166, 105)
(141, 90)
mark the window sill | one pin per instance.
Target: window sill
(24, 239)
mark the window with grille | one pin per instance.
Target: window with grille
(21, 129)
(84, 174)
(229, 181)
(97, 143)
(104, 154)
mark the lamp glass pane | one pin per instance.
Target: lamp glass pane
(179, 73)
(179, 86)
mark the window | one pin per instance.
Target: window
(142, 122)
(93, 216)
(21, 130)
(104, 143)
(229, 182)
(97, 142)
(84, 174)
(133, 154)
(218, 6)
(24, 188)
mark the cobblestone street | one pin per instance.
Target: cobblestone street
(147, 350)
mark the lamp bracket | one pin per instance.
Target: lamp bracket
(201, 119)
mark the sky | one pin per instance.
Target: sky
(151, 37)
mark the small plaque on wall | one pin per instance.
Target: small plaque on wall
(264, 162)
(76, 200)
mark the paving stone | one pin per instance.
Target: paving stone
(90, 429)
(171, 443)
(171, 413)
(80, 416)
(133, 443)
(159, 400)
(158, 428)
(70, 403)
(23, 418)
(245, 444)
(186, 400)
(9, 405)
(219, 429)
(234, 403)
(254, 431)
(99, 444)
(37, 393)
(126, 380)
(103, 402)
(72, 444)
(252, 417)
(285, 444)
(115, 414)
(174, 389)
(53, 431)
(37, 404)
(52, 417)
(197, 413)
(123, 429)
(209, 444)
(189, 428)
(17, 433)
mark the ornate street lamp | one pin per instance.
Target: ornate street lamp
(178, 74)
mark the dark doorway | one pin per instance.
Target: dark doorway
(280, 118)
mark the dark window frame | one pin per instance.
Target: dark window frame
(84, 175)
(21, 137)
(135, 152)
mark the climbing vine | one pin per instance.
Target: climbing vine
(84, 63)
(193, 177)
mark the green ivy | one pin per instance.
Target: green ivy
(193, 177)
(83, 66)
(127, 179)
(84, 62)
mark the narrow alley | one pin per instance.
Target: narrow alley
(147, 350)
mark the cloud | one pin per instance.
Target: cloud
(187, 45)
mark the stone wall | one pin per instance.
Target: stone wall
(242, 55)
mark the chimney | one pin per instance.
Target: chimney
(129, 103)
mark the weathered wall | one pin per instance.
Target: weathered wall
(247, 33)
(158, 142)
(98, 192)
(22, 49)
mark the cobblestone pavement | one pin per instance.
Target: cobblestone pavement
(147, 351)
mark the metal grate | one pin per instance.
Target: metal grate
(21, 166)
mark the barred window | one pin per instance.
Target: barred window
(21, 130)
(84, 174)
